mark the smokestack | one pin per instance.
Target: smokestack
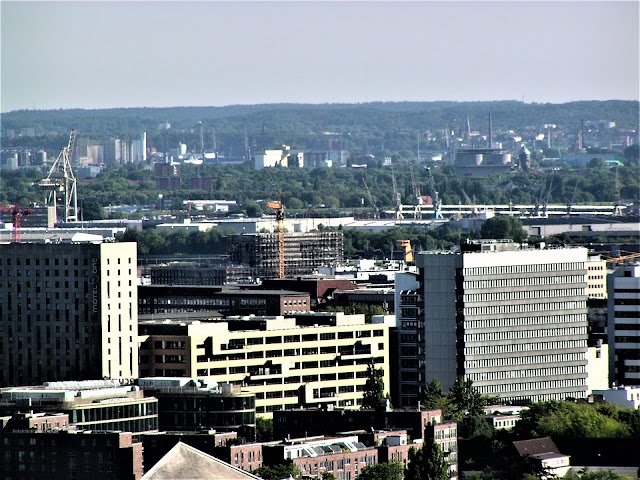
(582, 134)
(490, 131)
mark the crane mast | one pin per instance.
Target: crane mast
(61, 180)
(17, 214)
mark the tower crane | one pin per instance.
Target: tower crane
(61, 180)
(279, 208)
(17, 213)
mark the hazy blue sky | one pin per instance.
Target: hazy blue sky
(153, 53)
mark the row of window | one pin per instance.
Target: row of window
(525, 321)
(533, 268)
(525, 347)
(525, 307)
(524, 360)
(529, 386)
(522, 334)
(522, 281)
(524, 295)
(527, 373)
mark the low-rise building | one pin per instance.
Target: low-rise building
(419, 425)
(98, 405)
(345, 456)
(624, 396)
(189, 404)
(545, 452)
(166, 299)
(223, 446)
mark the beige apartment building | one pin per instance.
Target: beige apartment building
(68, 311)
(310, 359)
(596, 277)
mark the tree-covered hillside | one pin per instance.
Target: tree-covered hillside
(364, 128)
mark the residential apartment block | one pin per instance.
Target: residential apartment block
(312, 359)
(416, 426)
(512, 320)
(69, 454)
(624, 325)
(68, 311)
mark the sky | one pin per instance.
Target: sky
(81, 54)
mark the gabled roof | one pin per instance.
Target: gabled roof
(536, 446)
(185, 462)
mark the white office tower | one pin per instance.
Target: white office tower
(512, 320)
(623, 325)
(68, 311)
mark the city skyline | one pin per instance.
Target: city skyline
(79, 54)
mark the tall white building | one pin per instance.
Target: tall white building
(623, 325)
(68, 311)
(512, 320)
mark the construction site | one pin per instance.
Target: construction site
(303, 253)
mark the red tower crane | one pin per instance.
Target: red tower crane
(16, 213)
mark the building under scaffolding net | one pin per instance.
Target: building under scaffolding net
(303, 252)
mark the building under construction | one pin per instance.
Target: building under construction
(303, 252)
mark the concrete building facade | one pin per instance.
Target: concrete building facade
(68, 311)
(314, 359)
(623, 325)
(512, 320)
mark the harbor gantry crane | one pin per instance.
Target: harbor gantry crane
(417, 196)
(279, 208)
(397, 199)
(62, 181)
(435, 197)
(16, 213)
(372, 202)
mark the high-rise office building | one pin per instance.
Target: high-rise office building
(623, 325)
(68, 311)
(512, 320)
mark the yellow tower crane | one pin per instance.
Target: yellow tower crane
(279, 208)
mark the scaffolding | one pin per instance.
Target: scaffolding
(304, 253)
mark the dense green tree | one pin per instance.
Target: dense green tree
(328, 476)
(432, 398)
(569, 420)
(91, 210)
(607, 474)
(503, 227)
(467, 399)
(264, 429)
(279, 472)
(373, 395)
(382, 471)
(434, 465)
